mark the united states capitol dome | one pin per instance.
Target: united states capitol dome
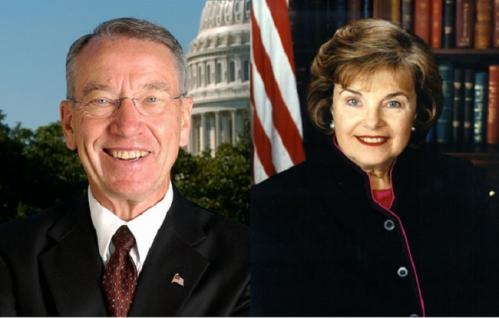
(218, 66)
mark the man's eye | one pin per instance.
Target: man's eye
(394, 104)
(100, 102)
(151, 100)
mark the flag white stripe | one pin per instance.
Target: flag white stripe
(263, 108)
(259, 172)
(282, 70)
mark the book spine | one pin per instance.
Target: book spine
(449, 22)
(465, 13)
(422, 19)
(407, 15)
(436, 24)
(395, 11)
(483, 25)
(339, 13)
(458, 107)
(354, 9)
(381, 9)
(495, 36)
(469, 82)
(367, 9)
(480, 107)
(493, 106)
(444, 122)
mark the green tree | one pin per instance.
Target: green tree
(220, 183)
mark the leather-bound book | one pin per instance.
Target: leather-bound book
(436, 24)
(465, 15)
(382, 9)
(483, 25)
(469, 82)
(407, 15)
(367, 9)
(493, 106)
(444, 122)
(395, 11)
(495, 36)
(422, 12)
(354, 10)
(449, 24)
(480, 107)
(458, 107)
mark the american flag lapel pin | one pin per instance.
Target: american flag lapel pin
(177, 279)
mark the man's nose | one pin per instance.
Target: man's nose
(127, 119)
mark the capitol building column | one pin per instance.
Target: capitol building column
(218, 77)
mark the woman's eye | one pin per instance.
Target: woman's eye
(394, 104)
(353, 102)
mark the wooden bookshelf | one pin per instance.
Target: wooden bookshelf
(485, 156)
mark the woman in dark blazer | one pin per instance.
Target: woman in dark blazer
(374, 225)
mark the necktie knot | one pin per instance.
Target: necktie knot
(123, 239)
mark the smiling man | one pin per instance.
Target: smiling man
(133, 245)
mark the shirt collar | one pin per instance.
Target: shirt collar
(144, 227)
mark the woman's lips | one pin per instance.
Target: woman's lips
(372, 140)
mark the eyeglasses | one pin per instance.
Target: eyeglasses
(154, 105)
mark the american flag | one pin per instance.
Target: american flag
(276, 120)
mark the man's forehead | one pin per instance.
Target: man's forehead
(93, 86)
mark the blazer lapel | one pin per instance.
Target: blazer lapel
(72, 266)
(172, 253)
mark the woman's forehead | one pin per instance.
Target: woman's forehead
(364, 78)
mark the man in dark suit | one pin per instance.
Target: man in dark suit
(132, 245)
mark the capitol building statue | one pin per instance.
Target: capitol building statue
(218, 65)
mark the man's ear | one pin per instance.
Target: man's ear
(66, 114)
(185, 120)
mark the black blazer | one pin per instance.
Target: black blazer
(320, 246)
(50, 265)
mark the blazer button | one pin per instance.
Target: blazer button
(402, 271)
(389, 225)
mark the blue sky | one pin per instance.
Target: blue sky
(35, 36)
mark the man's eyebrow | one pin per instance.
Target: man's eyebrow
(161, 86)
(93, 86)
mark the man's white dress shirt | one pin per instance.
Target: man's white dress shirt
(144, 227)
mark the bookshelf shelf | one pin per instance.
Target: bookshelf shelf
(457, 52)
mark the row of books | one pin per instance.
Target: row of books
(441, 23)
(470, 108)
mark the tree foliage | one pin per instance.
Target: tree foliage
(39, 172)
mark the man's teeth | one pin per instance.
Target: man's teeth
(373, 140)
(128, 155)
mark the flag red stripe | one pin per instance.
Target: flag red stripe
(264, 148)
(261, 142)
(281, 118)
(279, 11)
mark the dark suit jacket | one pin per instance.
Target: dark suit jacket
(320, 246)
(50, 265)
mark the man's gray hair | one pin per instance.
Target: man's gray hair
(131, 28)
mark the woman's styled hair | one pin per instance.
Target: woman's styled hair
(364, 47)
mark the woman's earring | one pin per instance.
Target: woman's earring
(413, 129)
(331, 125)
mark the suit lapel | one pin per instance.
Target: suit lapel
(72, 266)
(173, 252)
